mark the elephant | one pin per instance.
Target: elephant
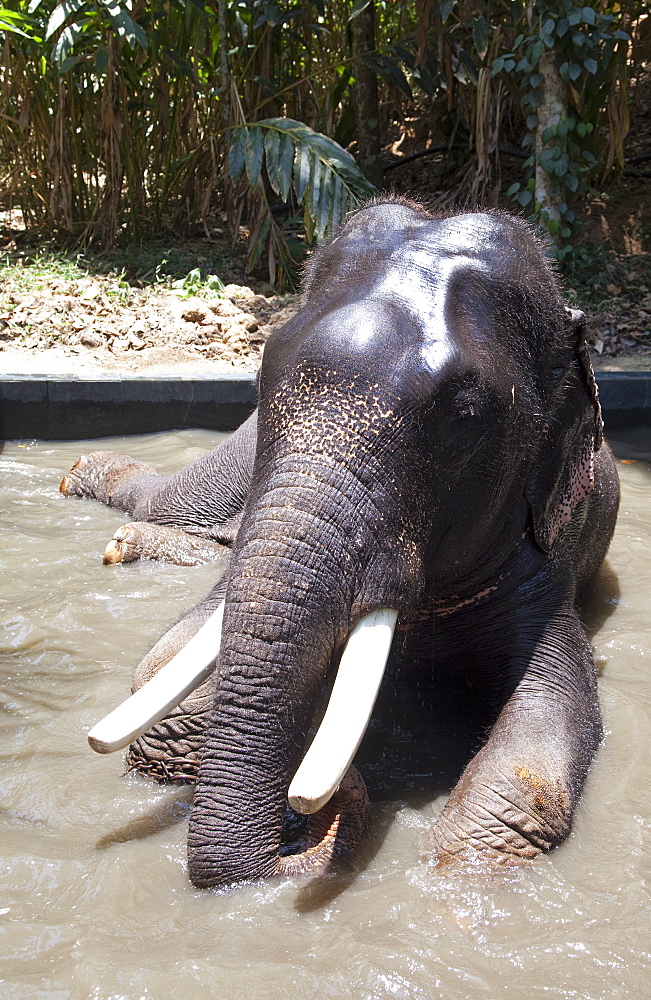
(424, 480)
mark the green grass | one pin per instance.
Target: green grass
(188, 270)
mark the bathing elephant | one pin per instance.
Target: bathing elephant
(424, 480)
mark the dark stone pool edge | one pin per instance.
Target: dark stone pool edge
(60, 408)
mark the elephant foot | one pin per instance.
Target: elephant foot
(330, 833)
(98, 475)
(170, 752)
(507, 821)
(144, 540)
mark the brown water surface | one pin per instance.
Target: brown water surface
(95, 900)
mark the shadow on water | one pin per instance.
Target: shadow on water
(598, 601)
(163, 816)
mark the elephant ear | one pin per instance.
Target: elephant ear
(572, 432)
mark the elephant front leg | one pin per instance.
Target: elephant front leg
(111, 478)
(516, 797)
(145, 540)
(170, 751)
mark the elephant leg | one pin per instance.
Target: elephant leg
(203, 497)
(144, 540)
(515, 799)
(170, 751)
(110, 478)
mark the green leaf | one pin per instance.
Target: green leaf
(236, 154)
(589, 16)
(358, 7)
(498, 66)
(124, 25)
(65, 43)
(285, 164)
(591, 65)
(481, 34)
(324, 206)
(301, 170)
(447, 6)
(61, 14)
(512, 188)
(390, 71)
(314, 190)
(524, 198)
(271, 148)
(7, 19)
(552, 226)
(572, 182)
(253, 155)
(339, 201)
(101, 61)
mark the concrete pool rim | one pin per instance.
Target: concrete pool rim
(67, 407)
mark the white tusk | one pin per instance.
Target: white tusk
(166, 689)
(351, 702)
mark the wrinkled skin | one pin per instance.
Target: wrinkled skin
(428, 438)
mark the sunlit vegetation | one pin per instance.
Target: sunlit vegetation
(125, 119)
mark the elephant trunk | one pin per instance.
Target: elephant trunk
(292, 597)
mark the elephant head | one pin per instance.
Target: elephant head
(428, 408)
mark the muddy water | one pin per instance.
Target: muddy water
(94, 897)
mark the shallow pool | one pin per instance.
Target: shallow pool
(95, 899)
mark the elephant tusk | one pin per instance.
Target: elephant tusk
(351, 702)
(166, 689)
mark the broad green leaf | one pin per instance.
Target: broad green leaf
(61, 14)
(7, 23)
(271, 147)
(124, 24)
(301, 170)
(338, 203)
(481, 34)
(285, 164)
(253, 154)
(314, 191)
(236, 153)
(447, 6)
(324, 205)
(65, 43)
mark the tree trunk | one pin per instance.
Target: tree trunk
(550, 112)
(366, 97)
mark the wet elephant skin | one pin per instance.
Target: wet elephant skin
(428, 438)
